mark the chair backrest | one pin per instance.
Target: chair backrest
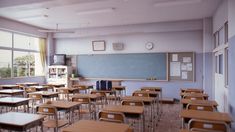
(48, 110)
(30, 89)
(200, 107)
(149, 89)
(203, 125)
(35, 96)
(63, 91)
(140, 94)
(111, 116)
(189, 91)
(194, 97)
(132, 103)
(84, 100)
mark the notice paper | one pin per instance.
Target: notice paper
(174, 57)
(189, 67)
(186, 59)
(175, 69)
(184, 67)
(184, 75)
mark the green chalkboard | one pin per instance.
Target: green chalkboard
(123, 66)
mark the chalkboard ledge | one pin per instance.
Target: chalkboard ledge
(121, 79)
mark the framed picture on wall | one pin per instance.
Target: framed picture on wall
(98, 45)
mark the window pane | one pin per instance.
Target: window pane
(21, 63)
(34, 43)
(221, 36)
(220, 64)
(5, 39)
(5, 63)
(21, 41)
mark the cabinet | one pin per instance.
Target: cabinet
(59, 74)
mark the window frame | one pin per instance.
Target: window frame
(12, 49)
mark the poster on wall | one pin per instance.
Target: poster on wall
(175, 69)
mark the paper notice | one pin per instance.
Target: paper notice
(184, 67)
(174, 57)
(186, 59)
(184, 75)
(189, 67)
(175, 69)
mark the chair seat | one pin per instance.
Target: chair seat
(52, 123)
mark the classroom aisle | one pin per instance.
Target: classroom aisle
(170, 121)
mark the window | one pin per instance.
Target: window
(216, 39)
(226, 32)
(221, 36)
(5, 63)
(26, 60)
(6, 39)
(220, 68)
(226, 67)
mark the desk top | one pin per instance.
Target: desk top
(148, 92)
(203, 102)
(91, 96)
(149, 88)
(194, 94)
(9, 86)
(64, 104)
(138, 98)
(28, 83)
(206, 115)
(39, 87)
(54, 85)
(45, 93)
(192, 90)
(96, 126)
(125, 109)
(13, 100)
(103, 91)
(119, 87)
(19, 119)
(70, 89)
(10, 91)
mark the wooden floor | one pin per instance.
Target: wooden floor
(169, 121)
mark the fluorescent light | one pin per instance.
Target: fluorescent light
(38, 17)
(97, 11)
(176, 2)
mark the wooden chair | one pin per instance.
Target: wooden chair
(133, 118)
(116, 117)
(52, 121)
(36, 100)
(87, 107)
(204, 125)
(63, 94)
(30, 89)
(141, 94)
(200, 107)
(101, 101)
(194, 97)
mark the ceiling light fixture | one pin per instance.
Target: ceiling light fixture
(38, 17)
(176, 2)
(97, 11)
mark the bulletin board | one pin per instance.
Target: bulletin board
(182, 66)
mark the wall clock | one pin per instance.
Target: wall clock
(149, 45)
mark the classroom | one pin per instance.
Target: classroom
(117, 65)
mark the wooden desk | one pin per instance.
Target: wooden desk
(96, 126)
(157, 89)
(204, 115)
(56, 85)
(91, 96)
(184, 102)
(27, 84)
(191, 90)
(146, 100)
(127, 110)
(66, 105)
(120, 90)
(47, 94)
(12, 92)
(20, 121)
(40, 88)
(151, 93)
(15, 102)
(71, 90)
(9, 86)
(194, 95)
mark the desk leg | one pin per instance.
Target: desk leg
(182, 125)
(143, 118)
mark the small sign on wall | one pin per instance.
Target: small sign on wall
(98, 45)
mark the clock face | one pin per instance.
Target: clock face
(149, 45)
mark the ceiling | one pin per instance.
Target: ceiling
(73, 14)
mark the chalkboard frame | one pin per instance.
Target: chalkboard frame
(131, 79)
